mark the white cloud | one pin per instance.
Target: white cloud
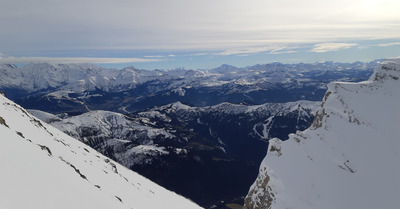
(154, 56)
(326, 47)
(389, 44)
(283, 52)
(273, 49)
(72, 60)
(199, 54)
(159, 56)
(249, 50)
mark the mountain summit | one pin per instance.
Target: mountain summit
(348, 158)
(41, 167)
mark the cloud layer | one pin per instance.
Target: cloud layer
(80, 30)
(189, 25)
(73, 60)
(326, 47)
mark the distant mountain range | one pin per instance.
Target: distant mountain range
(73, 88)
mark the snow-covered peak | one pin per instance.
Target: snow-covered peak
(389, 70)
(225, 68)
(42, 167)
(179, 105)
(348, 158)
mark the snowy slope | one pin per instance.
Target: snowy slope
(42, 167)
(348, 158)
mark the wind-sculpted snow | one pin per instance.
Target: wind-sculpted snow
(43, 168)
(348, 158)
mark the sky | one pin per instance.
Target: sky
(197, 34)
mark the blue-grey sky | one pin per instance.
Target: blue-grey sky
(197, 33)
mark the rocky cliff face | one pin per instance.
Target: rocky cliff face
(348, 158)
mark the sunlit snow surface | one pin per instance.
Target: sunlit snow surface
(349, 157)
(42, 168)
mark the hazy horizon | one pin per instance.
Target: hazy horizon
(198, 34)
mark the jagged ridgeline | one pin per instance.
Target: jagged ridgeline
(348, 158)
(72, 88)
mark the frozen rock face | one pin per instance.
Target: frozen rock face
(43, 168)
(348, 158)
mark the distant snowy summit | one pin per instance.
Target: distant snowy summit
(348, 158)
(86, 77)
(41, 168)
(79, 88)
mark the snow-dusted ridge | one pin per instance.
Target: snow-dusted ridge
(42, 167)
(86, 77)
(78, 88)
(104, 129)
(348, 158)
